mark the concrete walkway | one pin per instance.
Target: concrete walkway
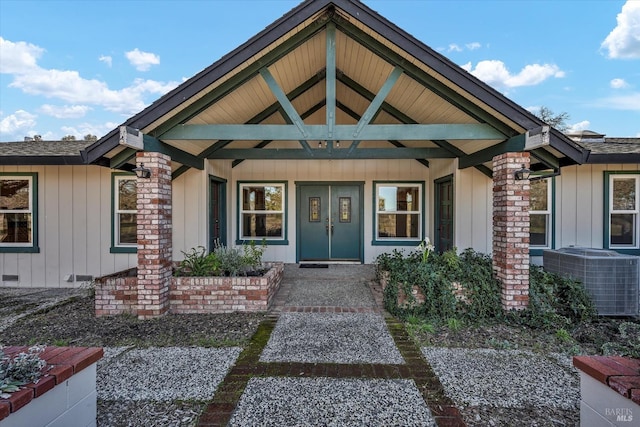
(330, 356)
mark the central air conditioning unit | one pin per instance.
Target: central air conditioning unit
(611, 279)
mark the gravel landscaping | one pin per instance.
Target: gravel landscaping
(189, 373)
(518, 384)
(331, 402)
(331, 338)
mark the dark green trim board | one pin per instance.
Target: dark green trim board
(33, 248)
(375, 241)
(118, 249)
(606, 228)
(221, 205)
(533, 251)
(436, 211)
(285, 224)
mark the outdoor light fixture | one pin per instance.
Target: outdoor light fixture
(523, 173)
(142, 172)
(319, 144)
(338, 144)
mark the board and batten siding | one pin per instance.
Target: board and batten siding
(74, 229)
(366, 171)
(579, 204)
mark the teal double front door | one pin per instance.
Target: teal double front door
(329, 221)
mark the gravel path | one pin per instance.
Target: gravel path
(331, 402)
(167, 373)
(331, 338)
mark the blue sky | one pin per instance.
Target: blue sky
(80, 67)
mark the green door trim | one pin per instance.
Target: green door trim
(222, 209)
(300, 184)
(436, 208)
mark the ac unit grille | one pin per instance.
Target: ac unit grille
(611, 279)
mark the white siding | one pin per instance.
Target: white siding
(74, 228)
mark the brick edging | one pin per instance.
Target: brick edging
(64, 362)
(227, 396)
(621, 374)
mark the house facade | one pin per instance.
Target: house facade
(332, 136)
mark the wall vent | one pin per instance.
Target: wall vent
(611, 279)
(84, 278)
(10, 278)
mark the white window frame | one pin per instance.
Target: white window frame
(242, 211)
(548, 213)
(419, 211)
(635, 211)
(117, 211)
(29, 210)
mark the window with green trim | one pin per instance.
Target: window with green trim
(262, 211)
(540, 214)
(623, 210)
(125, 212)
(18, 203)
(398, 211)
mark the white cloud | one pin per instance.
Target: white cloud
(18, 58)
(473, 46)
(16, 123)
(623, 42)
(576, 127)
(83, 129)
(618, 84)
(65, 111)
(106, 59)
(454, 48)
(142, 60)
(496, 74)
(630, 102)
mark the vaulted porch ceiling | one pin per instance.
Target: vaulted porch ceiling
(333, 80)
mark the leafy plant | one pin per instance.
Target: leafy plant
(563, 335)
(231, 260)
(197, 263)
(20, 369)
(253, 254)
(629, 345)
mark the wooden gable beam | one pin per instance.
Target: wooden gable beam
(330, 96)
(421, 77)
(242, 77)
(362, 153)
(513, 144)
(402, 117)
(395, 143)
(187, 159)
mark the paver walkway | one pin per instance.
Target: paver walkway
(329, 355)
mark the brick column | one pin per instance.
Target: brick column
(511, 229)
(154, 236)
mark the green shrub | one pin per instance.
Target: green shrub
(629, 344)
(197, 263)
(555, 302)
(19, 370)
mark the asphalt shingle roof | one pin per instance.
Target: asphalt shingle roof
(43, 148)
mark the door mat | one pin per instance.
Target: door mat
(314, 265)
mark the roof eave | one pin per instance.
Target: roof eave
(41, 160)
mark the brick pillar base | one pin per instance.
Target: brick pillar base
(511, 229)
(155, 245)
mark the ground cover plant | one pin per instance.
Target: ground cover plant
(462, 307)
(223, 261)
(20, 369)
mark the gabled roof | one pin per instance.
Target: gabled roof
(42, 152)
(341, 67)
(613, 150)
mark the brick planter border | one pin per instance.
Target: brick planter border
(194, 295)
(65, 362)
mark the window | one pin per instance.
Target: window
(262, 211)
(125, 213)
(540, 214)
(18, 213)
(398, 212)
(622, 215)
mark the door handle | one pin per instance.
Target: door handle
(328, 225)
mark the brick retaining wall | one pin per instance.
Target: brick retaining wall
(191, 295)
